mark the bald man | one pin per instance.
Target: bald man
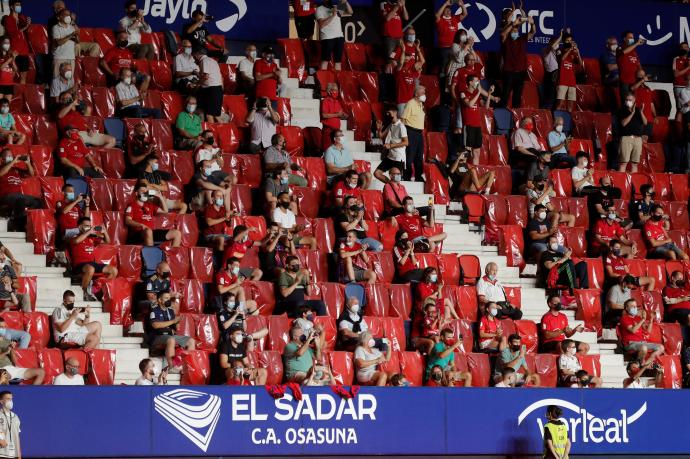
(71, 376)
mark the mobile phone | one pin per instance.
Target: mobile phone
(23, 158)
(152, 192)
(98, 228)
(83, 195)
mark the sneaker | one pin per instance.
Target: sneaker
(173, 370)
(89, 297)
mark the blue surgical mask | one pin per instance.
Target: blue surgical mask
(491, 277)
(208, 171)
(514, 35)
(154, 166)
(236, 270)
(219, 202)
(69, 195)
(433, 277)
(284, 180)
(631, 41)
(411, 38)
(632, 312)
(18, 9)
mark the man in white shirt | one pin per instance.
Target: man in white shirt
(245, 70)
(71, 376)
(583, 177)
(262, 120)
(135, 25)
(283, 216)
(65, 36)
(210, 95)
(186, 69)
(489, 289)
(395, 142)
(148, 375)
(331, 31)
(10, 427)
(525, 142)
(130, 102)
(507, 378)
(72, 325)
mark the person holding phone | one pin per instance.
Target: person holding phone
(163, 322)
(84, 261)
(13, 169)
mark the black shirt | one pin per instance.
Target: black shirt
(223, 316)
(536, 225)
(340, 233)
(635, 126)
(234, 351)
(155, 284)
(197, 38)
(643, 208)
(547, 256)
(154, 177)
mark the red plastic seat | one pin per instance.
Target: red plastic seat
(272, 361)
(278, 332)
(325, 77)
(653, 157)
(161, 75)
(382, 264)
(359, 119)
(105, 38)
(342, 366)
(433, 90)
(293, 57)
(478, 365)
(471, 269)
(172, 104)
(377, 300)
(196, 368)
(673, 338)
(101, 369)
(449, 268)
(673, 372)
(37, 36)
(511, 244)
(589, 308)
(475, 207)
(228, 135)
(178, 259)
(261, 292)
(465, 300)
(591, 364)
(562, 182)
(355, 56)
(535, 68)
(51, 362)
(592, 70)
(412, 366)
(679, 187)
(349, 87)
(368, 86)
(91, 71)
(316, 172)
(228, 73)
(436, 146)
(309, 201)
(373, 204)
(294, 141)
(103, 102)
(546, 366)
(587, 98)
(678, 213)
(495, 214)
(436, 184)
(400, 301)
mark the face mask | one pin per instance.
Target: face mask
(127, 80)
(493, 312)
(284, 180)
(318, 374)
(631, 41)
(571, 351)
(208, 171)
(585, 163)
(333, 94)
(422, 98)
(403, 242)
(269, 58)
(396, 177)
(352, 185)
(559, 128)
(515, 348)
(239, 371)
(529, 127)
(679, 283)
(409, 208)
(68, 75)
(475, 84)
(6, 46)
(437, 376)
(69, 195)
(463, 38)
(69, 306)
(542, 215)
(67, 20)
(4, 110)
(238, 339)
(219, 202)
(18, 9)
(167, 303)
(235, 270)
(73, 371)
(143, 197)
(491, 277)
(310, 317)
(191, 108)
(540, 186)
(188, 51)
(252, 54)
(350, 243)
(122, 43)
(9, 159)
(371, 342)
(433, 278)
(354, 308)
(613, 48)
(616, 252)
(629, 103)
(9, 404)
(557, 307)
(285, 205)
(165, 274)
(411, 38)
(339, 139)
(612, 216)
(632, 311)
(553, 247)
(514, 35)
(657, 218)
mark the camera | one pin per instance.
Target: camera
(23, 158)
(98, 228)
(208, 17)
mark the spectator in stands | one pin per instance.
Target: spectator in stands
(432, 287)
(134, 24)
(615, 299)
(394, 193)
(466, 179)
(437, 379)
(394, 138)
(512, 356)
(514, 52)
(9, 261)
(262, 120)
(273, 186)
(74, 156)
(616, 267)
(464, 62)
(660, 243)
(569, 366)
(413, 118)
(81, 47)
(8, 128)
(275, 248)
(348, 187)
(118, 58)
(157, 282)
(635, 328)
(16, 25)
(20, 337)
(163, 321)
(305, 318)
(526, 145)
(208, 150)
(288, 222)
(636, 370)
(229, 284)
(70, 210)
(350, 324)
(9, 295)
(541, 194)
(609, 62)
(570, 57)
(447, 28)
(305, 12)
(65, 36)
(71, 376)
(83, 258)
(583, 178)
(490, 329)
(443, 356)
(677, 300)
(681, 69)
(70, 115)
(354, 261)
(472, 116)
(188, 126)
(234, 351)
(8, 362)
(157, 183)
(130, 102)
(276, 157)
(540, 228)
(555, 328)
(8, 68)
(407, 265)
(644, 98)
(298, 355)
(186, 70)
(140, 146)
(148, 375)
(332, 113)
(632, 126)
(506, 378)
(197, 34)
(608, 228)
(393, 12)
(232, 313)
(412, 222)
(338, 159)
(320, 375)
(558, 269)
(598, 201)
(267, 77)
(490, 290)
(558, 144)
(238, 247)
(139, 218)
(210, 93)
(72, 325)
(368, 360)
(206, 181)
(217, 220)
(628, 61)
(352, 218)
(550, 55)
(644, 207)
(331, 31)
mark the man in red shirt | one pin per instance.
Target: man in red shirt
(267, 77)
(238, 247)
(394, 192)
(83, 260)
(628, 61)
(217, 219)
(393, 13)
(677, 300)
(332, 113)
(514, 51)
(616, 267)
(408, 55)
(607, 229)
(644, 98)
(405, 84)
(72, 208)
(566, 89)
(347, 187)
(458, 84)
(447, 25)
(554, 326)
(140, 219)
(412, 222)
(472, 116)
(70, 116)
(12, 171)
(661, 245)
(635, 330)
(353, 261)
(305, 12)
(74, 156)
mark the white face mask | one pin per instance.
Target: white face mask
(127, 80)
(68, 75)
(433, 277)
(493, 312)
(585, 163)
(571, 351)
(632, 311)
(554, 247)
(238, 339)
(422, 98)
(463, 38)
(612, 216)
(188, 51)
(67, 20)
(6, 46)
(252, 54)
(371, 342)
(613, 48)
(629, 103)
(542, 215)
(559, 128)
(9, 404)
(409, 208)
(354, 308)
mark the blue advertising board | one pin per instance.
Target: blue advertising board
(221, 420)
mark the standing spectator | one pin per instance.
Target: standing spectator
(245, 71)
(472, 116)
(74, 157)
(134, 24)
(262, 120)
(681, 69)
(186, 70)
(139, 218)
(332, 112)
(12, 171)
(8, 127)
(526, 145)
(677, 300)
(512, 357)
(70, 210)
(197, 34)
(276, 157)
(635, 327)
(660, 243)
(331, 31)
(644, 98)
(550, 61)
(558, 269)
(558, 144)
(566, 90)
(16, 25)
(406, 263)
(443, 357)
(294, 283)
(413, 118)
(74, 325)
(83, 257)
(157, 183)
(490, 290)
(339, 161)
(22, 338)
(408, 56)
(412, 222)
(148, 375)
(71, 376)
(514, 52)
(466, 179)
(447, 27)
(635, 371)
(298, 356)
(394, 138)
(632, 126)
(354, 261)
(267, 76)
(210, 94)
(305, 12)
(163, 322)
(490, 329)
(275, 248)
(8, 68)
(70, 116)
(607, 229)
(130, 103)
(628, 61)
(464, 62)
(368, 360)
(609, 62)
(554, 326)
(65, 38)
(188, 126)
(393, 12)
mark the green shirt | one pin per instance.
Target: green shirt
(436, 359)
(294, 363)
(190, 123)
(286, 280)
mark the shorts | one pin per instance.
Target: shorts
(77, 337)
(473, 136)
(630, 149)
(566, 93)
(388, 164)
(96, 140)
(161, 341)
(359, 275)
(662, 249)
(7, 90)
(211, 100)
(138, 237)
(211, 237)
(99, 267)
(22, 63)
(636, 345)
(332, 47)
(15, 372)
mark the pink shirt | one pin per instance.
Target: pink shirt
(524, 138)
(393, 192)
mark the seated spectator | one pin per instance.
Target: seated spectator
(208, 180)
(74, 156)
(632, 125)
(148, 375)
(525, 143)
(287, 221)
(276, 246)
(8, 362)
(353, 261)
(70, 115)
(406, 264)
(347, 187)
(188, 126)
(8, 262)
(262, 121)
(608, 229)
(157, 282)
(305, 318)
(472, 116)
(217, 221)
(660, 243)
(71, 376)
(130, 103)
(210, 92)
(539, 170)
(351, 218)
(677, 300)
(583, 178)
(351, 325)
(443, 356)
(616, 267)
(65, 36)
(134, 24)
(118, 58)
(140, 219)
(635, 327)
(437, 378)
(140, 145)
(490, 329)
(163, 322)
(83, 258)
(8, 68)
(558, 269)
(186, 70)
(235, 352)
(267, 76)
(636, 370)
(432, 287)
(275, 157)
(616, 297)
(394, 193)
(558, 144)
(74, 325)
(20, 337)
(603, 197)
(540, 193)
(294, 283)
(643, 207)
(197, 34)
(10, 297)
(555, 328)
(540, 228)
(320, 375)
(229, 284)
(275, 185)
(339, 160)
(232, 315)
(506, 378)
(13, 169)
(583, 380)
(512, 356)
(157, 183)
(412, 222)
(15, 26)
(298, 355)
(368, 360)
(567, 85)
(466, 179)
(238, 246)
(70, 210)
(332, 114)
(569, 368)
(399, 380)
(238, 375)
(208, 150)
(8, 128)
(490, 290)
(245, 71)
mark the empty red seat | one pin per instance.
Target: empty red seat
(103, 102)
(161, 75)
(383, 266)
(272, 361)
(324, 77)
(261, 292)
(196, 368)
(191, 291)
(294, 142)
(278, 332)
(178, 259)
(355, 56)
(535, 68)
(171, 104)
(316, 172)
(293, 57)
(101, 370)
(673, 372)
(592, 70)
(653, 157)
(359, 119)
(465, 300)
(678, 213)
(511, 244)
(433, 90)
(591, 364)
(436, 146)
(377, 300)
(400, 301)
(412, 367)
(91, 72)
(662, 185)
(373, 204)
(342, 366)
(51, 362)
(349, 87)
(471, 269)
(368, 87)
(26, 358)
(105, 38)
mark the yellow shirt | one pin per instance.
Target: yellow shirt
(413, 115)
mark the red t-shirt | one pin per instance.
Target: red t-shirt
(425, 290)
(410, 55)
(549, 322)
(606, 232)
(143, 214)
(225, 278)
(70, 219)
(11, 182)
(74, 150)
(329, 106)
(628, 64)
(239, 247)
(628, 337)
(681, 63)
(488, 326)
(413, 225)
(393, 191)
(392, 28)
(357, 260)
(269, 86)
(74, 119)
(654, 231)
(617, 264)
(405, 85)
(218, 228)
(118, 58)
(340, 190)
(82, 252)
(676, 292)
(6, 73)
(304, 7)
(471, 116)
(405, 267)
(461, 74)
(235, 382)
(17, 37)
(644, 97)
(566, 70)
(515, 54)
(446, 29)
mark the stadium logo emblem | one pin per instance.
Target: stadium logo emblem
(488, 31)
(586, 427)
(229, 22)
(190, 412)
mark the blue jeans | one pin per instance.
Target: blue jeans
(558, 158)
(20, 336)
(373, 244)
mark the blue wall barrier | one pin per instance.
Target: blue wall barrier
(220, 420)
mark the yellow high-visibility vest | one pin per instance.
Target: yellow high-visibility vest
(559, 437)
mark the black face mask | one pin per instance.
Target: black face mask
(657, 218)
(679, 283)
(540, 186)
(557, 307)
(437, 376)
(132, 13)
(141, 137)
(168, 303)
(210, 140)
(122, 43)
(165, 274)
(293, 269)
(285, 205)
(515, 348)
(354, 208)
(403, 242)
(69, 306)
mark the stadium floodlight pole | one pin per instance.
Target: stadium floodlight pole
(414, 19)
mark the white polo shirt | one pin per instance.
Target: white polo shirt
(492, 291)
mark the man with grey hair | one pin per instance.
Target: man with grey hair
(558, 145)
(413, 118)
(490, 290)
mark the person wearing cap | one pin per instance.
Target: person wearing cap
(210, 94)
(267, 77)
(616, 298)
